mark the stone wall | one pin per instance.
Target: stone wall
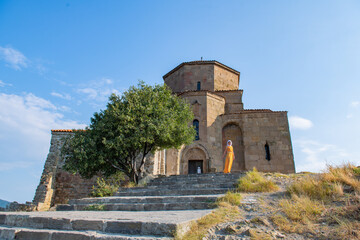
(225, 79)
(189, 76)
(69, 186)
(233, 98)
(56, 185)
(272, 128)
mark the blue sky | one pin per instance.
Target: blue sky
(60, 60)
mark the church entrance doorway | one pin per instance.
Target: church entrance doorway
(194, 165)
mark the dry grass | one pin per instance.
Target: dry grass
(255, 182)
(301, 209)
(259, 235)
(328, 185)
(345, 230)
(227, 211)
(345, 175)
(276, 174)
(232, 198)
(318, 205)
(315, 188)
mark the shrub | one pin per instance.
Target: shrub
(357, 171)
(107, 187)
(255, 182)
(95, 207)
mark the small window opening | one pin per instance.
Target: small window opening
(267, 152)
(198, 86)
(196, 126)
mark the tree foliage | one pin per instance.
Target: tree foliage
(143, 119)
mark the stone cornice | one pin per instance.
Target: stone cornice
(214, 62)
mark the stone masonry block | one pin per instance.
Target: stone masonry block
(32, 235)
(51, 223)
(7, 234)
(96, 225)
(158, 229)
(124, 227)
(67, 236)
(2, 219)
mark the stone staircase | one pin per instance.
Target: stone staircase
(164, 207)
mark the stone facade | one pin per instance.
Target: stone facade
(261, 137)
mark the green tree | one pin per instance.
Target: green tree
(143, 119)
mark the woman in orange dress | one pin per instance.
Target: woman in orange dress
(230, 156)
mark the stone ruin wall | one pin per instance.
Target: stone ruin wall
(56, 185)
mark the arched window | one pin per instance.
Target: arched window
(198, 86)
(267, 152)
(196, 126)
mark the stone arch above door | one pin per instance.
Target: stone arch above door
(194, 153)
(232, 131)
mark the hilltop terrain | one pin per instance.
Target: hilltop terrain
(3, 203)
(294, 206)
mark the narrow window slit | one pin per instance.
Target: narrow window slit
(267, 152)
(196, 126)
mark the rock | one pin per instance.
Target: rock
(245, 231)
(262, 220)
(280, 235)
(231, 229)
(146, 179)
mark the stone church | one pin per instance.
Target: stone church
(261, 137)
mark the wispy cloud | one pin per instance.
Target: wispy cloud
(13, 58)
(353, 109)
(3, 84)
(300, 123)
(316, 155)
(354, 104)
(25, 123)
(98, 91)
(60, 95)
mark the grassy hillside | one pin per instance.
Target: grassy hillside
(287, 206)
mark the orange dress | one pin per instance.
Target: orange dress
(229, 159)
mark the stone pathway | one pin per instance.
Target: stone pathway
(134, 213)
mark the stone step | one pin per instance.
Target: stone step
(147, 199)
(182, 185)
(154, 223)
(173, 192)
(137, 206)
(10, 233)
(199, 176)
(192, 182)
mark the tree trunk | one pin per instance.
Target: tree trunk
(134, 177)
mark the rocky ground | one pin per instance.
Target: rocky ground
(257, 210)
(255, 217)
